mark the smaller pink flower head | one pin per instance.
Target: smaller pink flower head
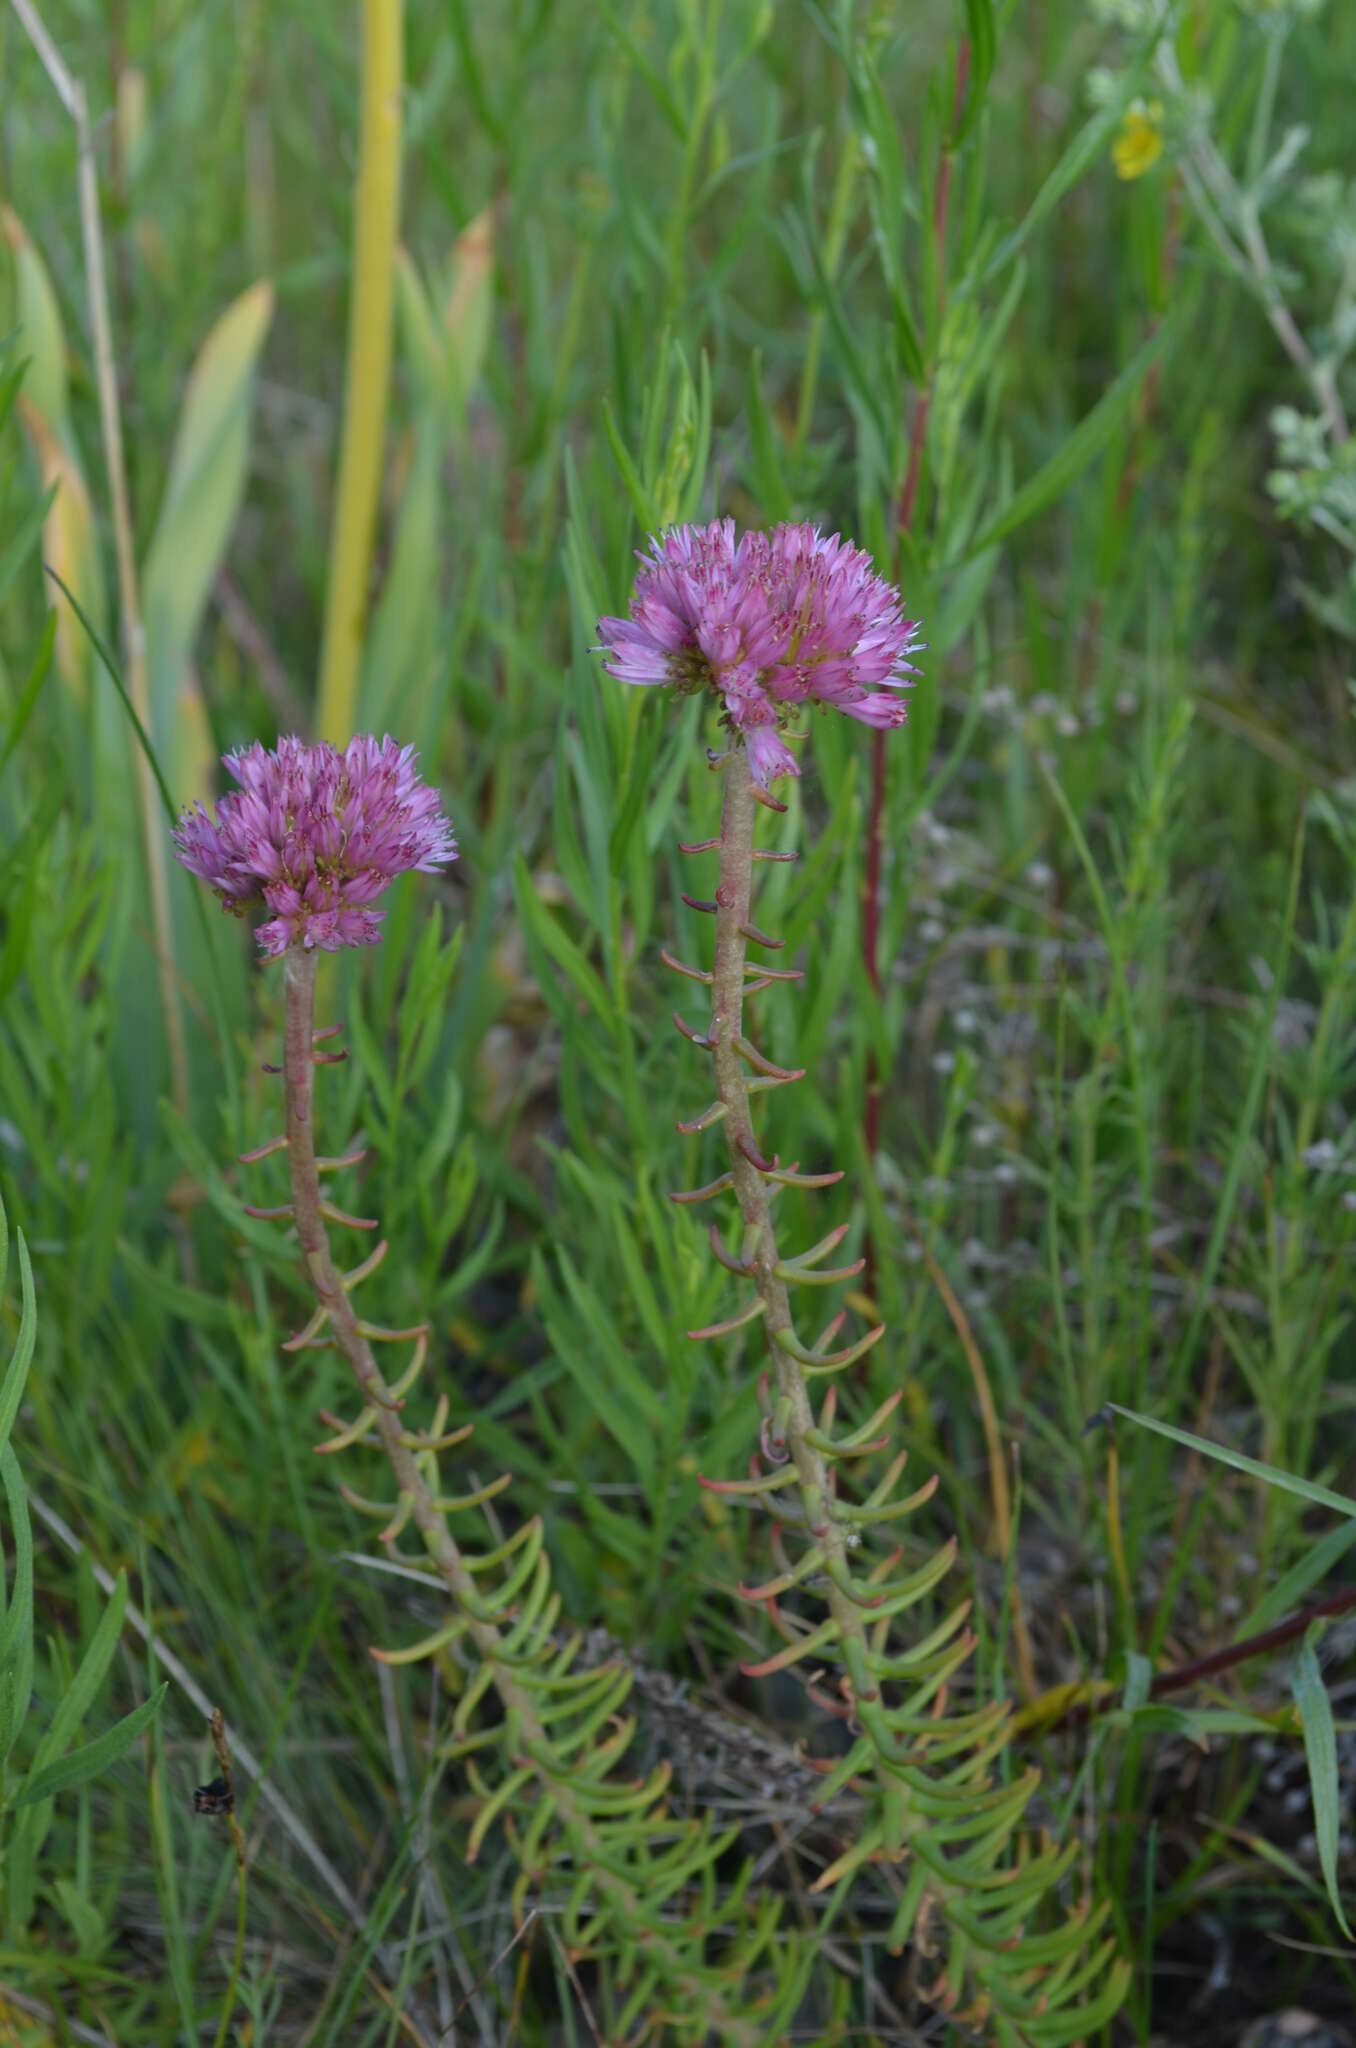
(767, 622)
(315, 836)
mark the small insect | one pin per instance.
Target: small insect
(214, 1798)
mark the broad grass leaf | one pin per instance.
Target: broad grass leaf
(69, 544)
(202, 500)
(42, 335)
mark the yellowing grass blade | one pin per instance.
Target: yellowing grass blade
(467, 309)
(131, 114)
(69, 546)
(202, 500)
(42, 338)
(420, 334)
(193, 759)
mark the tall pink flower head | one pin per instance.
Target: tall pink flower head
(315, 836)
(766, 622)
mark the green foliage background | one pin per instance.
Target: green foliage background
(661, 261)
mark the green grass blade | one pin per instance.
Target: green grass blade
(1320, 1749)
(28, 695)
(16, 1373)
(1087, 441)
(1320, 1496)
(16, 1631)
(1091, 142)
(1292, 1586)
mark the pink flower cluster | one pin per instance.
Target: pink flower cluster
(316, 835)
(768, 622)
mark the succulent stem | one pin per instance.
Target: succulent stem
(568, 1791)
(733, 930)
(921, 1805)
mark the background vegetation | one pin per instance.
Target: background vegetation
(1013, 300)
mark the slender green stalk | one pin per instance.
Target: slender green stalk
(368, 377)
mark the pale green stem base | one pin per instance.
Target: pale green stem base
(589, 1851)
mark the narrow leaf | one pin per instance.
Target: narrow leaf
(92, 1758)
(68, 541)
(16, 1373)
(1291, 1588)
(1083, 445)
(42, 336)
(1091, 141)
(28, 695)
(1286, 1481)
(1320, 1749)
(16, 1631)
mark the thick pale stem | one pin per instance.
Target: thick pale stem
(589, 1851)
(368, 375)
(738, 812)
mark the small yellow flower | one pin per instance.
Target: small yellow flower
(1140, 143)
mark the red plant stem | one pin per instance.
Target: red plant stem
(904, 517)
(1185, 1675)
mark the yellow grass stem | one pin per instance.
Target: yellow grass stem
(368, 374)
(71, 93)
